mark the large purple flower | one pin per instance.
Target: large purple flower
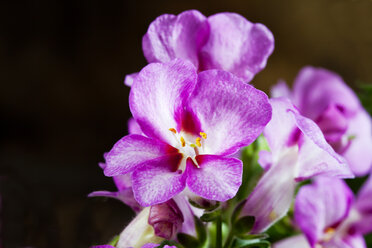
(225, 41)
(192, 123)
(298, 152)
(330, 217)
(323, 96)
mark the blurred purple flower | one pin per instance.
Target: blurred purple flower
(330, 217)
(176, 109)
(298, 152)
(224, 41)
(323, 96)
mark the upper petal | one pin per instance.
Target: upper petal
(170, 37)
(316, 156)
(325, 203)
(236, 45)
(158, 180)
(158, 97)
(133, 127)
(358, 154)
(231, 113)
(316, 88)
(131, 151)
(217, 178)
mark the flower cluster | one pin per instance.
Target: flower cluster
(211, 161)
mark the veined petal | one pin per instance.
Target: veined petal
(129, 79)
(231, 113)
(236, 45)
(358, 154)
(315, 89)
(131, 151)
(217, 178)
(158, 97)
(324, 204)
(170, 37)
(273, 195)
(298, 241)
(316, 156)
(158, 180)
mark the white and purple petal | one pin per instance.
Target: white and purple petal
(298, 241)
(158, 180)
(231, 113)
(157, 99)
(273, 195)
(130, 152)
(217, 178)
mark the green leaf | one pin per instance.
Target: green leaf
(204, 204)
(200, 230)
(188, 241)
(243, 225)
(237, 211)
(114, 240)
(252, 243)
(210, 216)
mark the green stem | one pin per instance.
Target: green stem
(229, 239)
(219, 232)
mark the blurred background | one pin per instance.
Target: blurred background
(63, 102)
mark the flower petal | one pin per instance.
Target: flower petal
(131, 151)
(281, 89)
(324, 204)
(364, 207)
(236, 45)
(231, 113)
(133, 127)
(298, 241)
(315, 89)
(158, 97)
(158, 180)
(272, 197)
(170, 37)
(218, 178)
(125, 196)
(129, 79)
(316, 156)
(358, 154)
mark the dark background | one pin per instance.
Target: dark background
(63, 103)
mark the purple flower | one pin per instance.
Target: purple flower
(191, 128)
(323, 96)
(330, 217)
(298, 152)
(224, 41)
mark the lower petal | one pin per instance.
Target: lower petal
(158, 180)
(298, 241)
(217, 178)
(273, 195)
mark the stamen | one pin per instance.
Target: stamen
(183, 142)
(197, 141)
(204, 135)
(173, 130)
(193, 145)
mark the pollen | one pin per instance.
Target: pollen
(197, 141)
(173, 130)
(183, 142)
(204, 135)
(273, 216)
